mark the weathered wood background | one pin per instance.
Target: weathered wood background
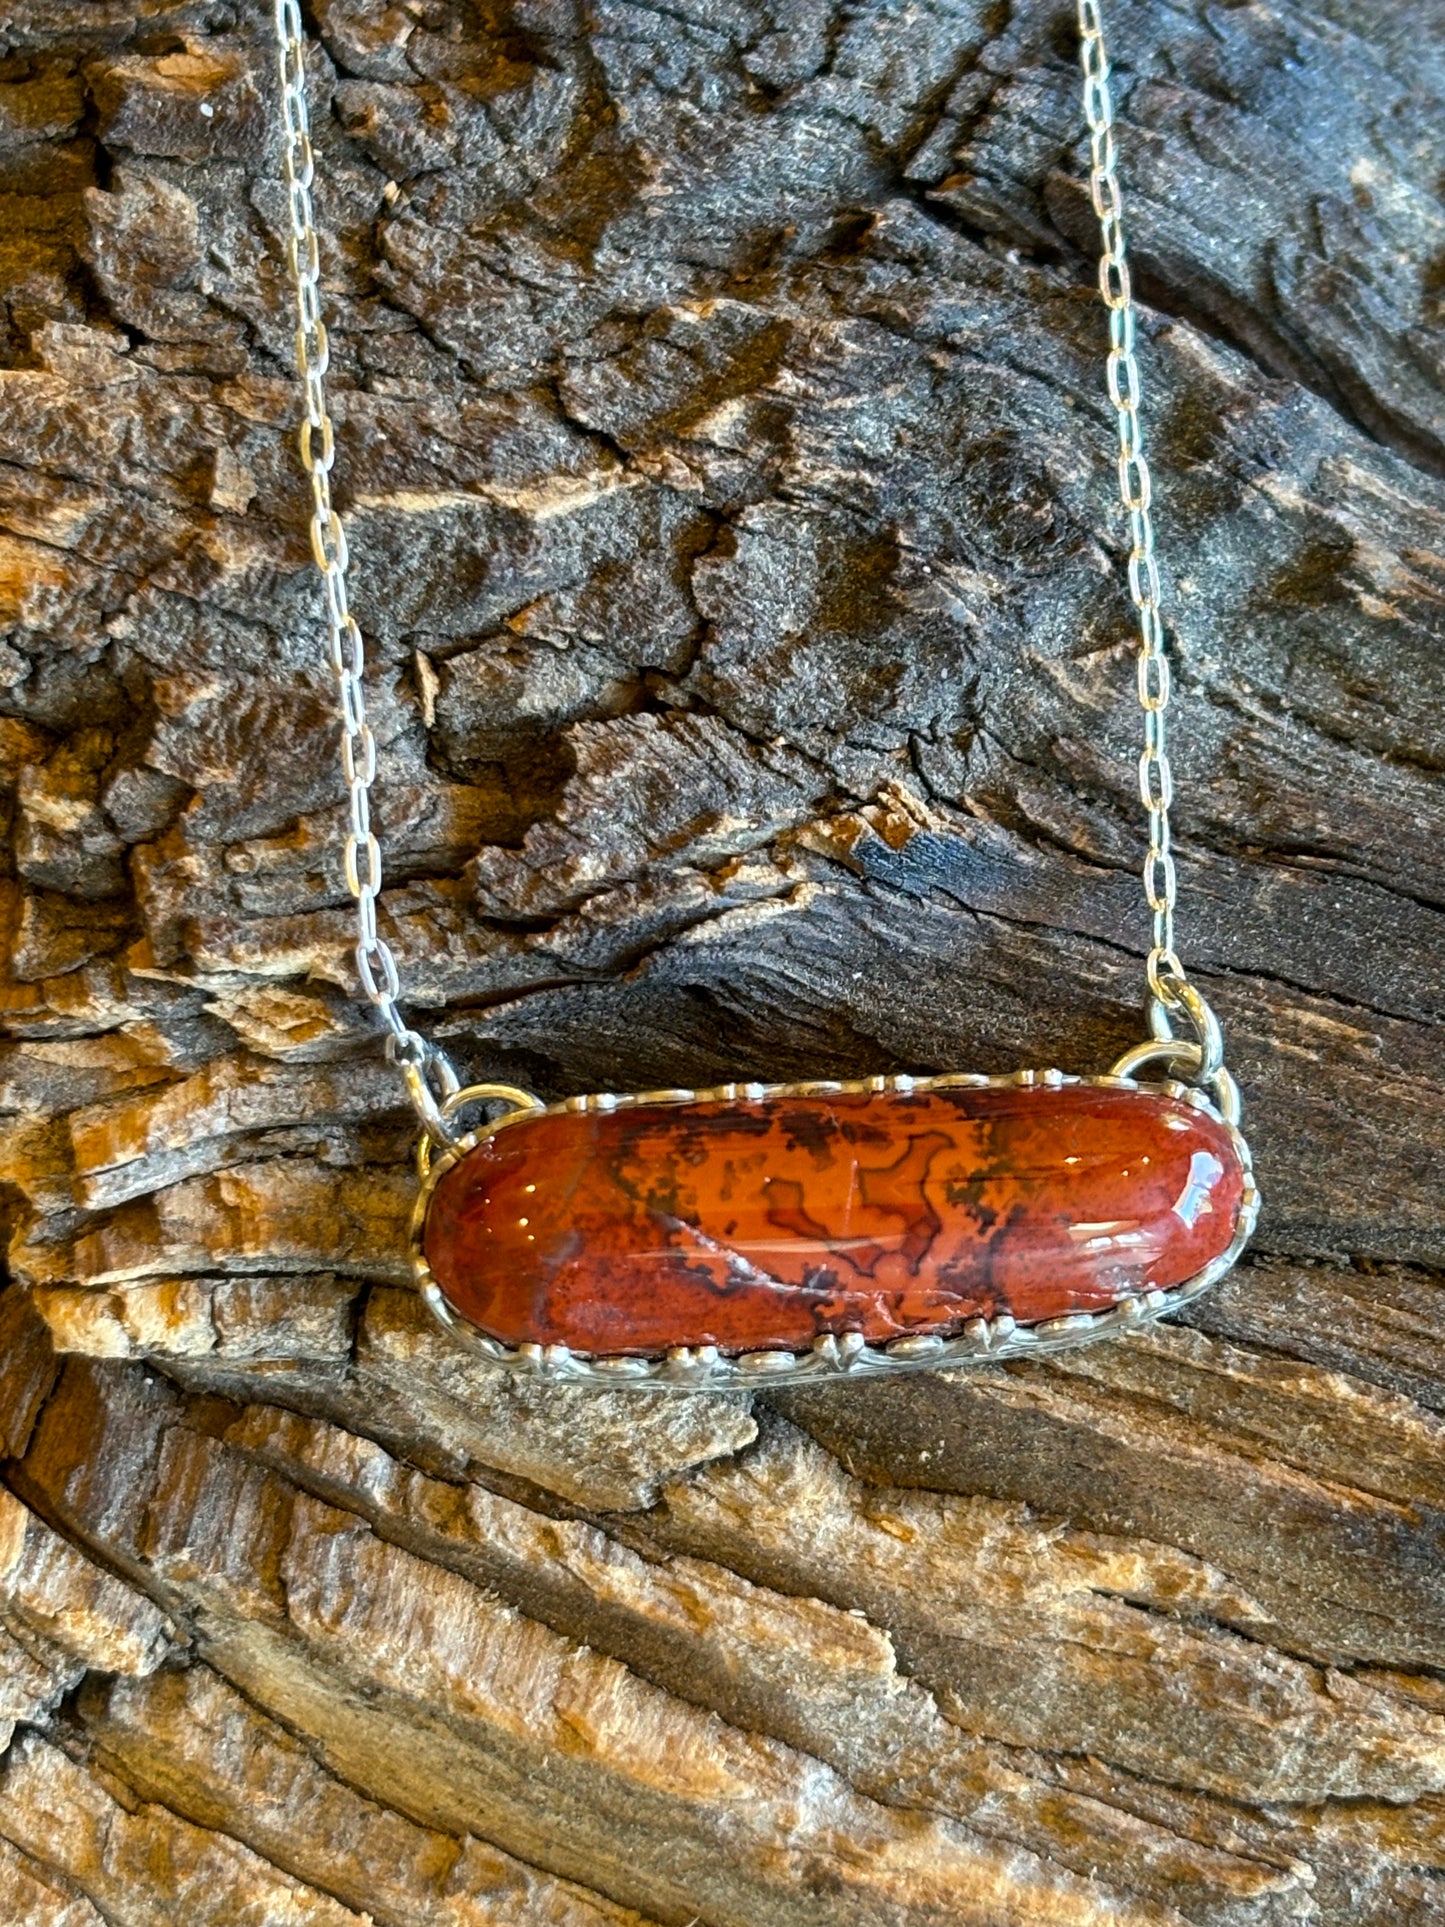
(728, 472)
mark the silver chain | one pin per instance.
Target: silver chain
(1167, 982)
(428, 1074)
(426, 1069)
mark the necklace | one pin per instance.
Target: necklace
(763, 1234)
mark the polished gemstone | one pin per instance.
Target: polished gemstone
(764, 1224)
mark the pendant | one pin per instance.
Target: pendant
(774, 1233)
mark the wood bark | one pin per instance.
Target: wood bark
(728, 475)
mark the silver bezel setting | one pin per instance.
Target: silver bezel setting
(843, 1355)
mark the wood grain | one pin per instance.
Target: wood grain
(727, 469)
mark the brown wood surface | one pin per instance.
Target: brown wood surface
(729, 482)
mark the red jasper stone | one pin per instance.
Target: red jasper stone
(761, 1225)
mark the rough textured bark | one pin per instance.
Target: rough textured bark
(728, 476)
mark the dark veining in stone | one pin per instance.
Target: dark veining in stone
(768, 1224)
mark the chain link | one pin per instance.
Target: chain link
(426, 1067)
(1156, 780)
(423, 1065)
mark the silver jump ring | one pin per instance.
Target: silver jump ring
(1183, 1056)
(1208, 1037)
(458, 1098)
(415, 1061)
